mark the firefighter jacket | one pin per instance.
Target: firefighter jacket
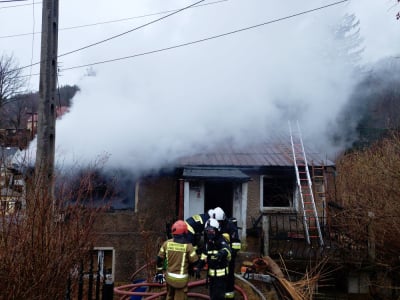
(176, 254)
(196, 223)
(217, 255)
(230, 231)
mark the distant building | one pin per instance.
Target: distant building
(32, 120)
(12, 184)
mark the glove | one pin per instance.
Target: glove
(159, 278)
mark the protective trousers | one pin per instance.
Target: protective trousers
(217, 286)
(230, 280)
(176, 293)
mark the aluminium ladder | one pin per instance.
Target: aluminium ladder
(312, 227)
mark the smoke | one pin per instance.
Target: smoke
(143, 113)
(373, 106)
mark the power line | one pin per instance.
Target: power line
(120, 34)
(32, 42)
(113, 21)
(204, 39)
(20, 5)
(3, 1)
(208, 38)
(131, 30)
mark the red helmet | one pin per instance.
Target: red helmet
(179, 227)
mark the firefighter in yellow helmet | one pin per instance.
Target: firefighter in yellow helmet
(178, 254)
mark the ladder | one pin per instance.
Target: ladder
(312, 227)
(320, 188)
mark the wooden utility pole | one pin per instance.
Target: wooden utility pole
(46, 127)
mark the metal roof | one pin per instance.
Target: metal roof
(275, 151)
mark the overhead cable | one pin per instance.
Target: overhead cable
(111, 21)
(131, 30)
(17, 5)
(207, 38)
(120, 34)
(4, 1)
(204, 39)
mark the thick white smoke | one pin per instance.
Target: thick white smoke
(144, 112)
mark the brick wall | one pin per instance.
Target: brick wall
(137, 236)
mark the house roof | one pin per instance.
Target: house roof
(275, 151)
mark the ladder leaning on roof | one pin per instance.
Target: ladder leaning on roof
(312, 227)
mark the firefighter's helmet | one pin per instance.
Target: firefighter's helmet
(210, 213)
(219, 214)
(179, 227)
(211, 229)
(212, 222)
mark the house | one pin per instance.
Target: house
(257, 185)
(32, 121)
(266, 186)
(254, 183)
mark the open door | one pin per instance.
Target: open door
(219, 193)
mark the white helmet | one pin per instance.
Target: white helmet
(218, 214)
(212, 223)
(210, 213)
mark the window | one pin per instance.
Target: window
(278, 191)
(10, 206)
(105, 261)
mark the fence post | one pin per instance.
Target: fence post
(90, 284)
(98, 279)
(108, 287)
(80, 282)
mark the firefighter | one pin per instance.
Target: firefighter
(177, 254)
(195, 226)
(230, 231)
(217, 255)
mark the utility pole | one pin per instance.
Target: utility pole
(45, 153)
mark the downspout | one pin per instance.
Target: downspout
(181, 195)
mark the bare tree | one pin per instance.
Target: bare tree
(43, 242)
(16, 112)
(11, 80)
(11, 83)
(368, 185)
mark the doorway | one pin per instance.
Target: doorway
(218, 193)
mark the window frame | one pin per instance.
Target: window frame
(294, 203)
(112, 262)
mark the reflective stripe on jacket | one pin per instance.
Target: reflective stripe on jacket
(178, 256)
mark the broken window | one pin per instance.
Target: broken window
(278, 191)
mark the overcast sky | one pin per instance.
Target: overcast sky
(149, 109)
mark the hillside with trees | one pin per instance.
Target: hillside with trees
(373, 109)
(18, 107)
